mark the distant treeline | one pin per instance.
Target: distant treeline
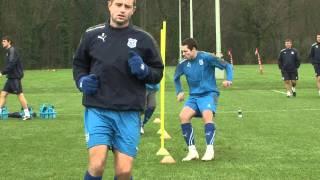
(47, 32)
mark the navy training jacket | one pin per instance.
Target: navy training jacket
(103, 51)
(13, 68)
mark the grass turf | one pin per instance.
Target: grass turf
(277, 138)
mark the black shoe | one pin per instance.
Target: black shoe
(294, 94)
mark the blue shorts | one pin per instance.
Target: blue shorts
(117, 129)
(201, 103)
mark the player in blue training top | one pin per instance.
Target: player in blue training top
(315, 59)
(150, 104)
(111, 66)
(199, 69)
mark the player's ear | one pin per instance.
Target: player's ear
(108, 4)
(134, 9)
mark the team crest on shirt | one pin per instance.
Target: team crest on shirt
(201, 62)
(132, 43)
(317, 46)
(188, 65)
(292, 52)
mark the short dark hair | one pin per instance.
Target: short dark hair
(7, 38)
(288, 40)
(134, 2)
(190, 43)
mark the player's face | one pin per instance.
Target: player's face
(318, 38)
(288, 44)
(187, 53)
(120, 12)
(5, 44)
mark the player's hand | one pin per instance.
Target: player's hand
(137, 66)
(89, 84)
(226, 83)
(180, 96)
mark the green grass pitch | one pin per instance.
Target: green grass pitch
(277, 138)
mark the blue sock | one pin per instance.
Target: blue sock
(147, 115)
(209, 130)
(115, 178)
(89, 177)
(187, 132)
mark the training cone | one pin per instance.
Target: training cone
(156, 121)
(167, 160)
(166, 134)
(162, 152)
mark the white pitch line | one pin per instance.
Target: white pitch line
(254, 111)
(268, 111)
(279, 92)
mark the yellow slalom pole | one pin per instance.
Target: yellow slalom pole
(167, 159)
(162, 150)
(162, 130)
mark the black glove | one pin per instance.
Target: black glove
(137, 66)
(89, 84)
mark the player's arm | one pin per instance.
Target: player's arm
(311, 55)
(11, 63)
(177, 83)
(81, 61)
(229, 75)
(146, 55)
(297, 59)
(87, 83)
(280, 61)
(223, 65)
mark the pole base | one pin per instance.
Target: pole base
(168, 160)
(162, 152)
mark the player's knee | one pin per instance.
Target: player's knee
(123, 173)
(97, 166)
(184, 118)
(3, 95)
(123, 169)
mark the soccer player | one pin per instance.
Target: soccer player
(199, 70)
(289, 63)
(315, 59)
(14, 71)
(111, 66)
(150, 103)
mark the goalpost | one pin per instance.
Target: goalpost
(219, 73)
